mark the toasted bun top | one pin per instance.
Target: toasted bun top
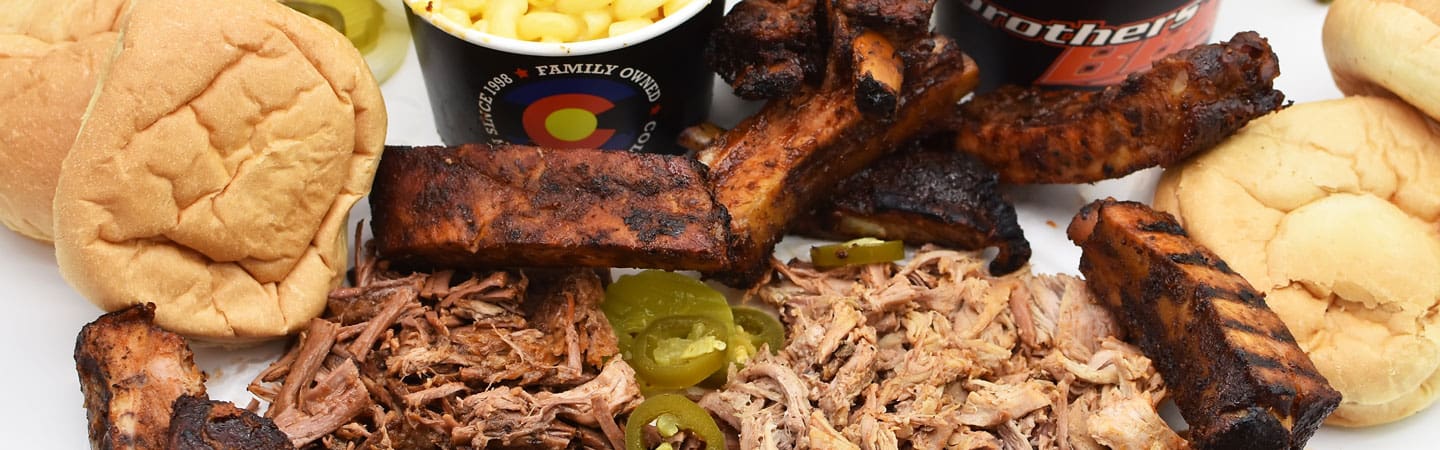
(1386, 48)
(50, 55)
(215, 171)
(1333, 209)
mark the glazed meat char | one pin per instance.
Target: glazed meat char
(917, 195)
(1187, 102)
(483, 206)
(774, 165)
(1238, 376)
(200, 424)
(131, 371)
(768, 48)
(143, 391)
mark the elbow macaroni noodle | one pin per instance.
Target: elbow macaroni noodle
(552, 20)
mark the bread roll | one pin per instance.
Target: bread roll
(215, 171)
(1333, 209)
(50, 55)
(1386, 48)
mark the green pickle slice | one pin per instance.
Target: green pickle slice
(358, 20)
(634, 303)
(678, 332)
(671, 413)
(857, 252)
(680, 351)
(380, 33)
(324, 13)
(757, 328)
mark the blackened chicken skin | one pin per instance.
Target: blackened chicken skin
(1187, 102)
(480, 206)
(1236, 373)
(923, 195)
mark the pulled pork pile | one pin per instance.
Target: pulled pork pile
(936, 354)
(506, 359)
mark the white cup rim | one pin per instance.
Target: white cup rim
(589, 47)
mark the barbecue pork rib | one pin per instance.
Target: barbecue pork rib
(776, 163)
(922, 195)
(478, 206)
(131, 371)
(1233, 367)
(201, 424)
(1185, 103)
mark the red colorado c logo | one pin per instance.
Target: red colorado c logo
(567, 121)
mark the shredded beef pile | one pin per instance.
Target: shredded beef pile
(937, 354)
(507, 359)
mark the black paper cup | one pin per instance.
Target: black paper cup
(635, 91)
(1065, 43)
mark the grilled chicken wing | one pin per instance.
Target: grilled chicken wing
(773, 165)
(131, 371)
(201, 424)
(1236, 372)
(485, 206)
(920, 195)
(1185, 103)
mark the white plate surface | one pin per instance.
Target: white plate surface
(37, 334)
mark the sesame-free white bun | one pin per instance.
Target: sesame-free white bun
(1386, 48)
(51, 53)
(217, 166)
(1333, 210)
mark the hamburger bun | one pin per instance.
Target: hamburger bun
(1386, 48)
(50, 55)
(1333, 209)
(215, 171)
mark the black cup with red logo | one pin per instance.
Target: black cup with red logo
(1066, 43)
(635, 91)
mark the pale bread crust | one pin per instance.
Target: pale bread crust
(1333, 209)
(51, 52)
(1386, 48)
(216, 170)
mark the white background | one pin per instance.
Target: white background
(40, 390)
